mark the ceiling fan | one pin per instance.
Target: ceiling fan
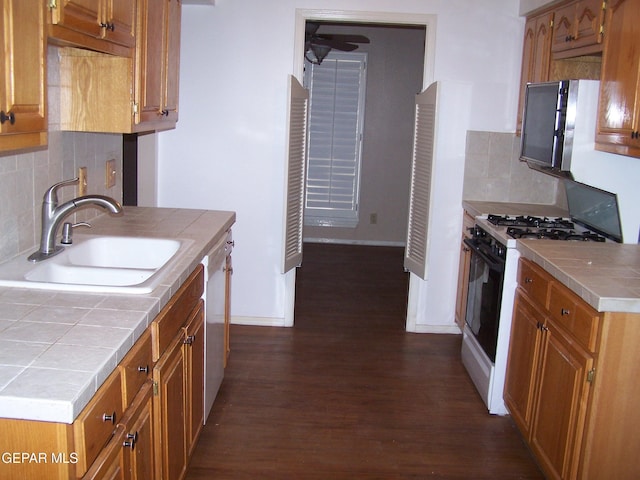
(318, 45)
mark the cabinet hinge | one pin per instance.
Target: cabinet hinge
(590, 375)
(601, 30)
(53, 3)
(135, 108)
(155, 389)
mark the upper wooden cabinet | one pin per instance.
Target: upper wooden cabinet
(114, 94)
(157, 64)
(102, 25)
(23, 100)
(618, 128)
(578, 28)
(536, 54)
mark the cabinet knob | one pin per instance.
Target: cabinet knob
(144, 369)
(108, 26)
(131, 440)
(635, 135)
(164, 113)
(564, 312)
(109, 417)
(7, 117)
(189, 340)
(528, 280)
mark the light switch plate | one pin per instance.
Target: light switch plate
(110, 173)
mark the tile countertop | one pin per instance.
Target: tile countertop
(57, 348)
(605, 275)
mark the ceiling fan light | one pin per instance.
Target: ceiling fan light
(319, 52)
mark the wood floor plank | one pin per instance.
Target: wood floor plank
(347, 394)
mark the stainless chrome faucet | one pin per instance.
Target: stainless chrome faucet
(53, 214)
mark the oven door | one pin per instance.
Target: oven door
(486, 275)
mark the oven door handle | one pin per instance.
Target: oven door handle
(493, 264)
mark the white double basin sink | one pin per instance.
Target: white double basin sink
(99, 264)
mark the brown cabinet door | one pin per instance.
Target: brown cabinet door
(463, 284)
(536, 55)
(194, 375)
(588, 23)
(564, 27)
(149, 59)
(617, 128)
(157, 64)
(140, 429)
(560, 410)
(119, 16)
(169, 413)
(23, 61)
(522, 363)
(80, 15)
(172, 69)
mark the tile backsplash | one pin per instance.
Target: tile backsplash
(24, 177)
(493, 172)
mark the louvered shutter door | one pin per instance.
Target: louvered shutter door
(416, 250)
(296, 160)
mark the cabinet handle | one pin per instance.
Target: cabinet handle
(189, 340)
(109, 418)
(9, 116)
(564, 312)
(164, 113)
(131, 440)
(108, 26)
(229, 269)
(635, 135)
(144, 369)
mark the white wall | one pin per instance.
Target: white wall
(229, 148)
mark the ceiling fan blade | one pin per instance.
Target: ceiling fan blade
(343, 37)
(338, 45)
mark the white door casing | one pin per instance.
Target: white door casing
(297, 120)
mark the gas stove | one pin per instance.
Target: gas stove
(521, 227)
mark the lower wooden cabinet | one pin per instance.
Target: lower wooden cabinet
(463, 272)
(570, 376)
(179, 380)
(144, 421)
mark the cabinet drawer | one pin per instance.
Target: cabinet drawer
(96, 423)
(167, 324)
(534, 281)
(136, 368)
(572, 314)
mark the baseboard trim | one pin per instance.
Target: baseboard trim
(258, 321)
(345, 241)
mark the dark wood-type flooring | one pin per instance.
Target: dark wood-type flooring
(347, 394)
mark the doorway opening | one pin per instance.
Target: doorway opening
(399, 65)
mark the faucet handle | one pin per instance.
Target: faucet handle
(51, 195)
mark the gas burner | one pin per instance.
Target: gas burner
(554, 234)
(529, 221)
(507, 221)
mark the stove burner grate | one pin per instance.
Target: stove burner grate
(553, 234)
(530, 221)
